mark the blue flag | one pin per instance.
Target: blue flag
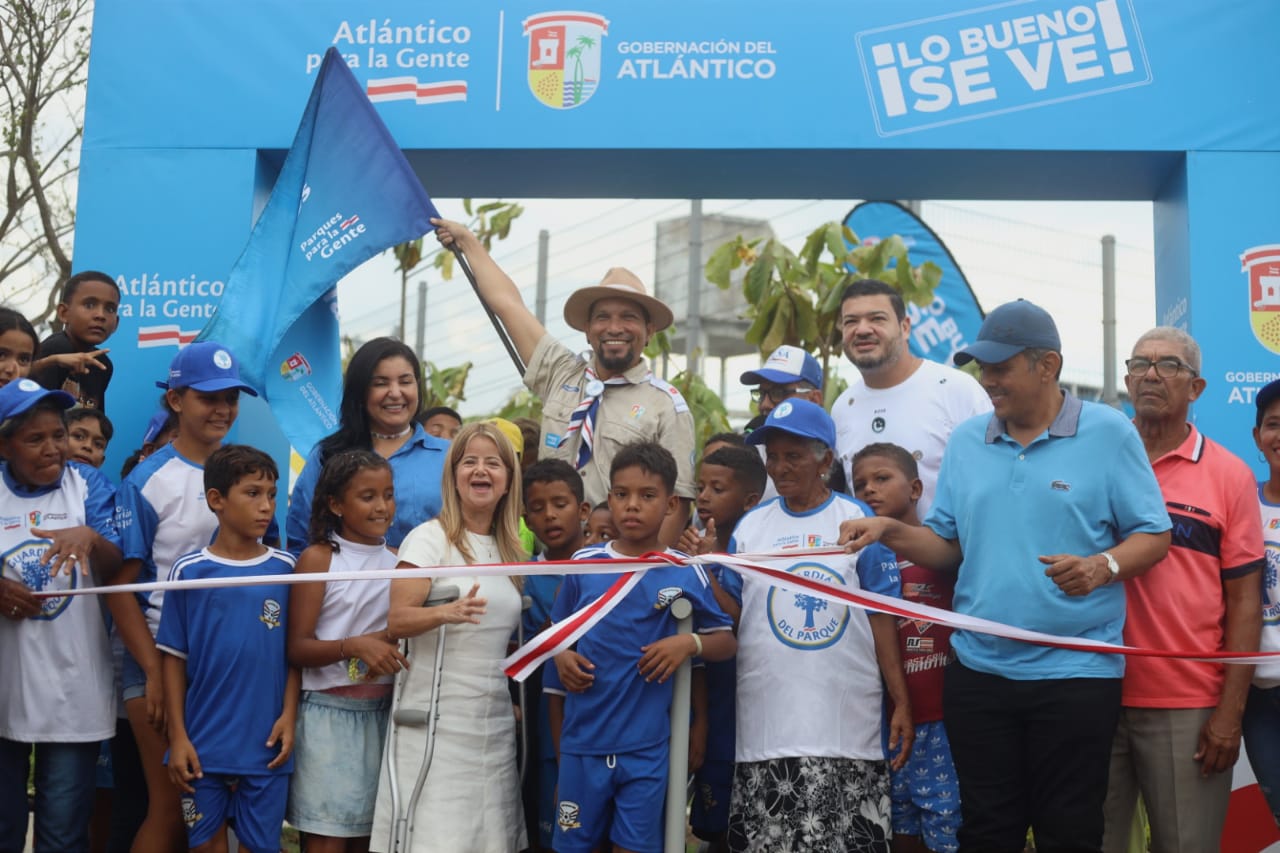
(952, 321)
(344, 194)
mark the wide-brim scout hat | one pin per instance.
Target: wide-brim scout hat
(618, 283)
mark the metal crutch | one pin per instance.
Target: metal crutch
(403, 819)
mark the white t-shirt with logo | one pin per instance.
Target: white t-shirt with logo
(162, 515)
(56, 666)
(808, 679)
(918, 414)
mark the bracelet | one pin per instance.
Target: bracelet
(697, 645)
(341, 654)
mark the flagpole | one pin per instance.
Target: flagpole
(493, 318)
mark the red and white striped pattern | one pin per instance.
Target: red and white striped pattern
(165, 336)
(409, 89)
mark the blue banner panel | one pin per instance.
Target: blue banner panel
(999, 59)
(1231, 260)
(952, 320)
(1030, 75)
(167, 225)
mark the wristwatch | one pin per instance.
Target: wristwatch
(1112, 565)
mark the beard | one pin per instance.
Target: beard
(874, 361)
(617, 363)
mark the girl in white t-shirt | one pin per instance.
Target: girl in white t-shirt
(338, 635)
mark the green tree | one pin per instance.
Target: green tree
(710, 415)
(490, 221)
(795, 298)
(443, 386)
(523, 404)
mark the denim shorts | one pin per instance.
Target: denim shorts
(133, 681)
(337, 757)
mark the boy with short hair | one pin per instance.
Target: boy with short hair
(231, 697)
(555, 509)
(89, 431)
(72, 360)
(600, 527)
(731, 480)
(613, 749)
(441, 421)
(924, 794)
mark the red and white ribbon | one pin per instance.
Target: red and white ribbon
(762, 566)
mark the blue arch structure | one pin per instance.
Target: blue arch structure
(191, 104)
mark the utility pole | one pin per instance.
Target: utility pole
(693, 320)
(540, 300)
(419, 344)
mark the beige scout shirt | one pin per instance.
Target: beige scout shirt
(647, 409)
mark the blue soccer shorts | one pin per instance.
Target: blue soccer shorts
(620, 796)
(252, 805)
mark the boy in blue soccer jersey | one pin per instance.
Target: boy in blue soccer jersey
(613, 746)
(231, 697)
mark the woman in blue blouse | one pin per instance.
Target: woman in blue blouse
(379, 405)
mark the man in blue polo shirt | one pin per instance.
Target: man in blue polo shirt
(1041, 506)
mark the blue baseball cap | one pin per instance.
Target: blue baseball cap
(205, 366)
(799, 418)
(1010, 329)
(21, 394)
(155, 426)
(785, 365)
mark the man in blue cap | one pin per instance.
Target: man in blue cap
(788, 372)
(1041, 507)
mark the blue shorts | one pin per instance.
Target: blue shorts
(618, 796)
(252, 805)
(133, 681)
(712, 787)
(924, 794)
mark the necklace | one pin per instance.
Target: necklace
(388, 437)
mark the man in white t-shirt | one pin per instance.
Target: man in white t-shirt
(898, 396)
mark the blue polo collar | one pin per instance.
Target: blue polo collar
(1064, 425)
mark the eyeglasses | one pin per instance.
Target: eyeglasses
(777, 393)
(1166, 368)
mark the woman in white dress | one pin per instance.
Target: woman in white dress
(471, 799)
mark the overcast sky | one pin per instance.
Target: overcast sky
(1049, 252)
